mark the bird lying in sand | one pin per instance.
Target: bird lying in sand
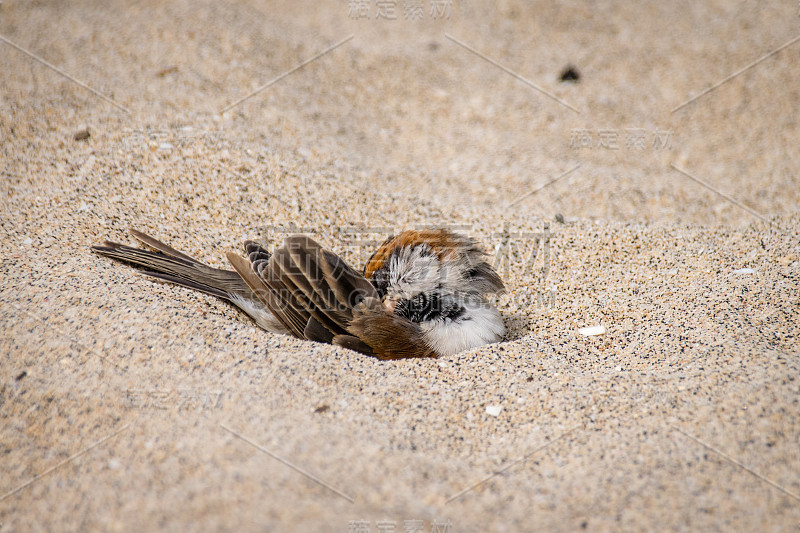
(422, 293)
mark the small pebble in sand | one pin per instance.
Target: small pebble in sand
(570, 74)
(745, 271)
(592, 331)
(167, 70)
(493, 410)
(82, 134)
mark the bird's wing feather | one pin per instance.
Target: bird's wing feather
(307, 287)
(309, 262)
(349, 286)
(286, 272)
(353, 343)
(389, 336)
(330, 286)
(317, 332)
(307, 256)
(284, 313)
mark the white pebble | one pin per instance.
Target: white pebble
(493, 410)
(28, 241)
(592, 331)
(165, 146)
(745, 271)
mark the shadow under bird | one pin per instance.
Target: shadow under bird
(423, 293)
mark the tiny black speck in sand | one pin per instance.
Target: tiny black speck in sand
(570, 74)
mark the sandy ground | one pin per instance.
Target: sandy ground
(135, 406)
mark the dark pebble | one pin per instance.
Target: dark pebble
(570, 74)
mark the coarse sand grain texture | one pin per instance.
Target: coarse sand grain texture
(643, 212)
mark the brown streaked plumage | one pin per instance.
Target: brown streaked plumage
(441, 241)
(422, 294)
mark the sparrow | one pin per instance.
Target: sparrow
(423, 293)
